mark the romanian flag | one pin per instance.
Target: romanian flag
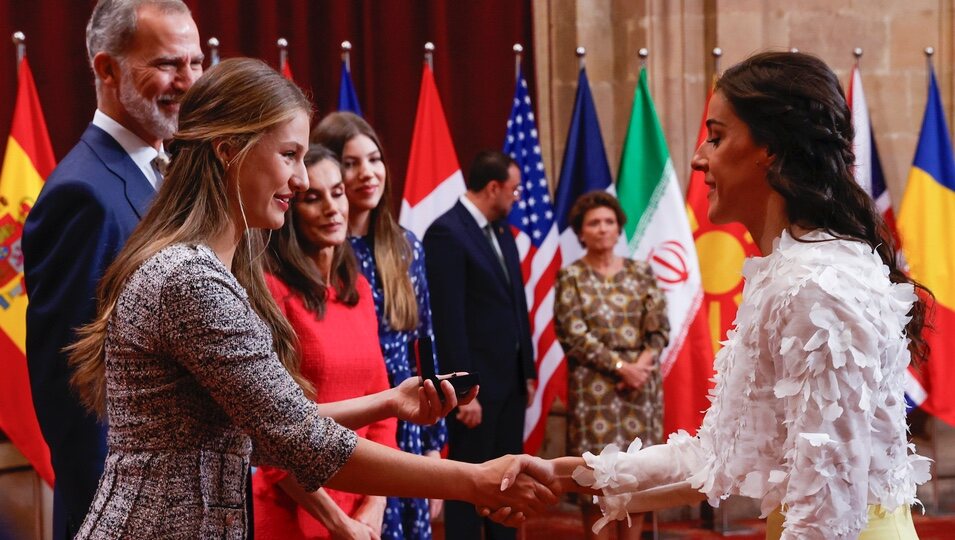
(927, 226)
(27, 162)
(721, 250)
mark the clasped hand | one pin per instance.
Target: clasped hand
(528, 485)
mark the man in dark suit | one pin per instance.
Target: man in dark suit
(480, 323)
(144, 54)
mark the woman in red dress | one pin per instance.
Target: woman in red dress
(314, 278)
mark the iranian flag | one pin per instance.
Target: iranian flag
(658, 231)
(434, 180)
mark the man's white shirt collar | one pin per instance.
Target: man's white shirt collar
(475, 211)
(141, 153)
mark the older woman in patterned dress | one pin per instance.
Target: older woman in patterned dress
(612, 323)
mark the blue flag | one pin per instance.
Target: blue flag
(584, 167)
(532, 222)
(347, 99)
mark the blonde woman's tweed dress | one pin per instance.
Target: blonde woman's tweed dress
(194, 390)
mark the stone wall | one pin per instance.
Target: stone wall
(681, 33)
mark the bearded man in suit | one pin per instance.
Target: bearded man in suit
(481, 324)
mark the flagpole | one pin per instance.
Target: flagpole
(794, 50)
(213, 51)
(929, 52)
(346, 55)
(283, 51)
(429, 55)
(643, 53)
(518, 51)
(717, 55)
(857, 53)
(581, 53)
(19, 39)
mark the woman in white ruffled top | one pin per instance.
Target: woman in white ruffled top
(808, 412)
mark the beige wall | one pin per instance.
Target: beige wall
(681, 33)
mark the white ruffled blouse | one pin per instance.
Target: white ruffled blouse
(808, 410)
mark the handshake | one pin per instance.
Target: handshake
(512, 488)
(507, 489)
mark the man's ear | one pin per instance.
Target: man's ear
(106, 69)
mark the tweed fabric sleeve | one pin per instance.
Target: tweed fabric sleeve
(209, 325)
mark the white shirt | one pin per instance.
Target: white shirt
(482, 222)
(808, 411)
(141, 153)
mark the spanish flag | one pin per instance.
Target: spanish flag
(27, 162)
(927, 226)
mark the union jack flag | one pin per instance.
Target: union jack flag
(535, 231)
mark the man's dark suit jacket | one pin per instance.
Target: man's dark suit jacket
(83, 216)
(480, 319)
(480, 324)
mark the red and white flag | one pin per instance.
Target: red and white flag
(532, 221)
(434, 181)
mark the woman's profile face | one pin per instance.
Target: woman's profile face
(321, 212)
(734, 166)
(599, 230)
(364, 173)
(271, 174)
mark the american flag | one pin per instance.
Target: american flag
(532, 222)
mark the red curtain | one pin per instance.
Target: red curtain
(473, 62)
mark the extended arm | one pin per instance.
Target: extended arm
(408, 401)
(209, 328)
(375, 469)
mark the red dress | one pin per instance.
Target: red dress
(342, 359)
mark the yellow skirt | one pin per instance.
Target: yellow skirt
(882, 525)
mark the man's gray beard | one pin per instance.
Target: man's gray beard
(145, 112)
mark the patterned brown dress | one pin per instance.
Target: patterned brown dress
(600, 321)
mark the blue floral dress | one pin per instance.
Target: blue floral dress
(407, 519)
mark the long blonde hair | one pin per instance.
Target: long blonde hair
(236, 101)
(393, 254)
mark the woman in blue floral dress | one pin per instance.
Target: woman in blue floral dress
(392, 259)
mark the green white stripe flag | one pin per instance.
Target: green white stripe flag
(658, 232)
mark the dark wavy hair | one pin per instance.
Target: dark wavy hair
(795, 108)
(287, 259)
